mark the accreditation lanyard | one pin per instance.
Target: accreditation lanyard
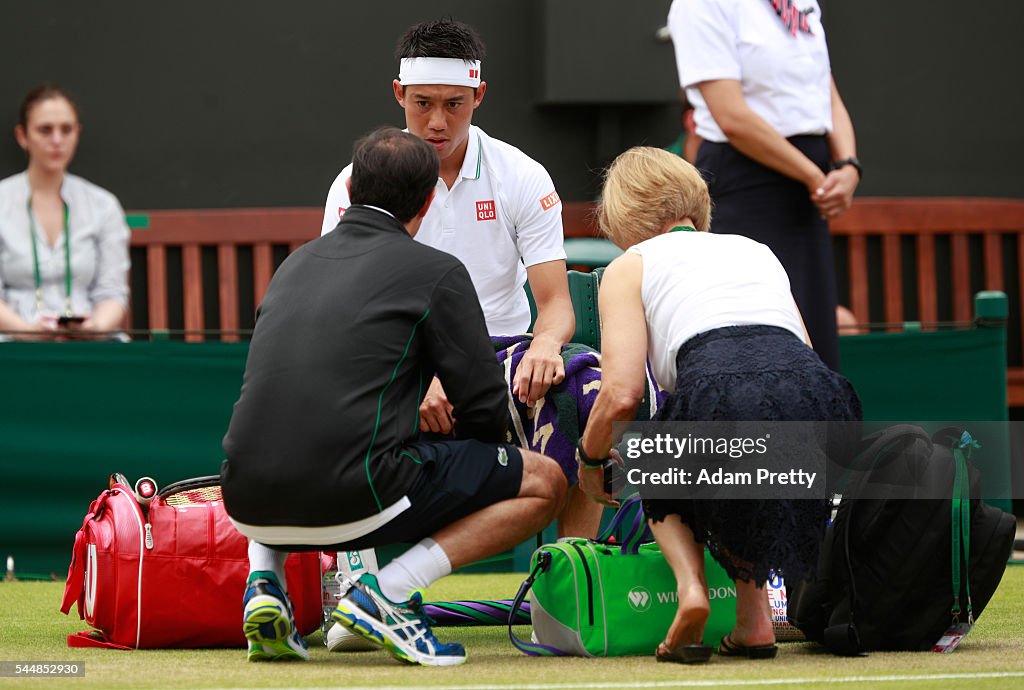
(35, 261)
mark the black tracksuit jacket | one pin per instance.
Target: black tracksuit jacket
(351, 330)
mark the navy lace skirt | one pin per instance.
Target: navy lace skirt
(755, 373)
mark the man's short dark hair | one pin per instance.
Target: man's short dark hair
(443, 38)
(393, 170)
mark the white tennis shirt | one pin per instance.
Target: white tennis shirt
(501, 215)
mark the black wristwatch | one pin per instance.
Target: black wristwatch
(581, 456)
(852, 160)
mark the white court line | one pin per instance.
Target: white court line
(723, 683)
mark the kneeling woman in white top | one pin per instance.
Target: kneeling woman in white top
(716, 317)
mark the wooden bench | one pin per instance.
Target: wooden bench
(898, 260)
(918, 260)
(231, 233)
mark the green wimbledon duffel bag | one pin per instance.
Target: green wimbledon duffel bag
(607, 598)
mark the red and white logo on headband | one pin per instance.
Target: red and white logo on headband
(433, 70)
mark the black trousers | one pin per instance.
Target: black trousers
(755, 201)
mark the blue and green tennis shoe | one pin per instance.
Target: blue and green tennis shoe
(268, 621)
(402, 629)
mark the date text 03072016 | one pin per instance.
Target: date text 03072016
(41, 669)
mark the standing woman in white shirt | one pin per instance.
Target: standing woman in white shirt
(63, 240)
(715, 316)
(779, 151)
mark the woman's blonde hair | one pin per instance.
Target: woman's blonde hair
(644, 189)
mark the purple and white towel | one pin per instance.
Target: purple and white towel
(553, 426)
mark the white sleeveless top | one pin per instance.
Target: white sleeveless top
(694, 282)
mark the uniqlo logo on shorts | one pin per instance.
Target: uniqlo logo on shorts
(485, 210)
(550, 201)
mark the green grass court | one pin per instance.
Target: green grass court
(33, 629)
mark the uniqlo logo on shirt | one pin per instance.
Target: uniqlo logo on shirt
(341, 212)
(550, 201)
(485, 210)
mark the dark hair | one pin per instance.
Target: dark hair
(44, 92)
(393, 170)
(443, 38)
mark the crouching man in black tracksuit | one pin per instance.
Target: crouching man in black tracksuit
(323, 450)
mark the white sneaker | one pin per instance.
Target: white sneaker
(341, 639)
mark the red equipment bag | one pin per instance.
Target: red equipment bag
(171, 574)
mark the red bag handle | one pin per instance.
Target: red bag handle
(94, 638)
(76, 571)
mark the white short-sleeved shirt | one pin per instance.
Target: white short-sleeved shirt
(501, 215)
(784, 73)
(694, 282)
(98, 250)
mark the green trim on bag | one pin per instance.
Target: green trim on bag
(961, 527)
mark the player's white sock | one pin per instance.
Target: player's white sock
(418, 568)
(267, 559)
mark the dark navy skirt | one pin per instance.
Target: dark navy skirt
(757, 202)
(755, 373)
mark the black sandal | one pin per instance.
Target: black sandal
(729, 648)
(686, 654)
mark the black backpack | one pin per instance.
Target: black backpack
(886, 569)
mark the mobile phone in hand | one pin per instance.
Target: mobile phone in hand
(69, 320)
(614, 477)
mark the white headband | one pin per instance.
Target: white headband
(432, 70)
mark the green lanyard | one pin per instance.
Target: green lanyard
(685, 228)
(961, 526)
(35, 261)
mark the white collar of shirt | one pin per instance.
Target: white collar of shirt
(474, 155)
(377, 208)
(64, 190)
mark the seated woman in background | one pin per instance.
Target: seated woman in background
(63, 240)
(725, 339)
